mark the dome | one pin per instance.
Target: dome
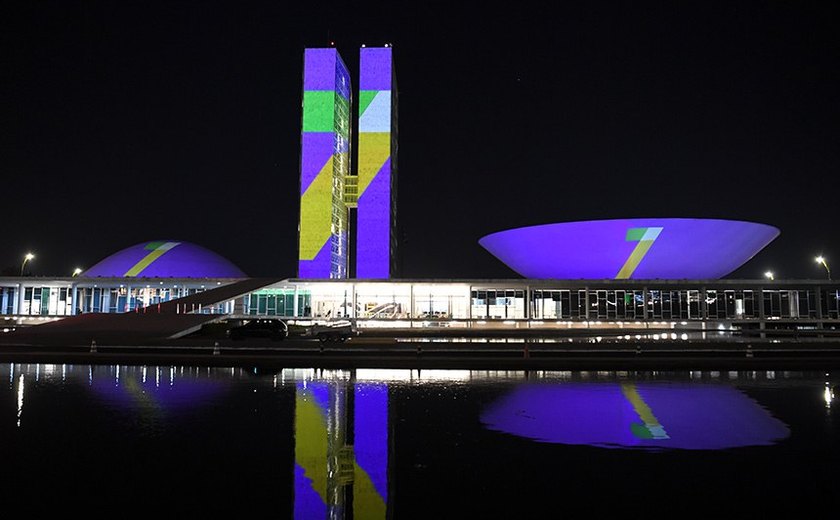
(165, 259)
(648, 248)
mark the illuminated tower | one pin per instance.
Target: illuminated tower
(376, 190)
(324, 163)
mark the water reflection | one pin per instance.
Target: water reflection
(696, 416)
(20, 399)
(131, 387)
(341, 449)
(378, 443)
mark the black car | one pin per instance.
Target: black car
(260, 328)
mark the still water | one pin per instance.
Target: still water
(156, 440)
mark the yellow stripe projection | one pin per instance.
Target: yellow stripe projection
(633, 261)
(316, 212)
(311, 443)
(151, 257)
(367, 503)
(643, 411)
(374, 150)
(646, 237)
(141, 398)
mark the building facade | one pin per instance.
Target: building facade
(324, 164)
(348, 214)
(376, 214)
(689, 305)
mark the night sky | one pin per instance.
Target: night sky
(123, 122)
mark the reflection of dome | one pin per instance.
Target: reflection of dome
(630, 415)
(165, 259)
(651, 248)
(160, 391)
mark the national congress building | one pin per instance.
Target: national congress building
(625, 273)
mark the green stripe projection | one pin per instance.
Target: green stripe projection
(158, 249)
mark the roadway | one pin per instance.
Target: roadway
(395, 352)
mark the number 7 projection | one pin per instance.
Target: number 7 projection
(645, 237)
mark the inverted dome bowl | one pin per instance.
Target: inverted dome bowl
(602, 414)
(646, 248)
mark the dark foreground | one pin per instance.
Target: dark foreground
(393, 352)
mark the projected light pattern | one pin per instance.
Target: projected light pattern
(645, 238)
(324, 161)
(370, 480)
(635, 415)
(376, 208)
(655, 248)
(324, 461)
(650, 428)
(155, 390)
(165, 259)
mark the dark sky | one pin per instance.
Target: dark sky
(128, 121)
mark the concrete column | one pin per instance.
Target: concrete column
(762, 317)
(239, 305)
(818, 302)
(818, 299)
(586, 302)
(20, 300)
(528, 303)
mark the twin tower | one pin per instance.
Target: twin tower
(348, 209)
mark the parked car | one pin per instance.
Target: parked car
(274, 329)
(333, 331)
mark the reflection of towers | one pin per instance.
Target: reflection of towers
(341, 450)
(346, 213)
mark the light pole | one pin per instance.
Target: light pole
(769, 275)
(821, 260)
(28, 257)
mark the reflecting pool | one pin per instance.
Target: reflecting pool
(415, 444)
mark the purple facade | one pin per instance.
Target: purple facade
(376, 208)
(374, 227)
(655, 248)
(324, 164)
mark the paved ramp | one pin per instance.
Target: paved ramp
(209, 298)
(169, 320)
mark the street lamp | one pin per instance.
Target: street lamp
(821, 260)
(28, 257)
(77, 271)
(769, 275)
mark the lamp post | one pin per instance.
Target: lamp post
(28, 257)
(821, 260)
(769, 275)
